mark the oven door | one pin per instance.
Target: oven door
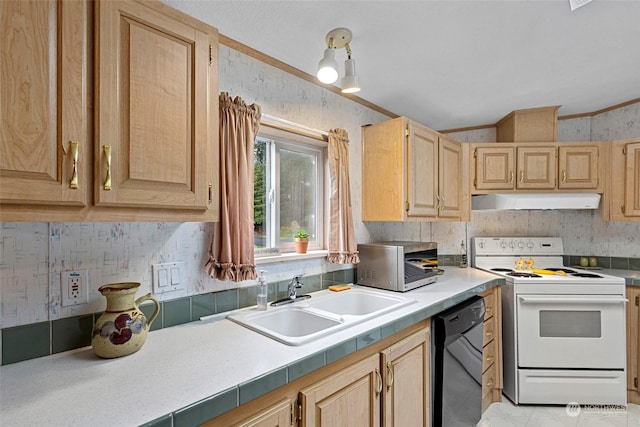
(571, 331)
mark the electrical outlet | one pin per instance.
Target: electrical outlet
(75, 287)
(167, 277)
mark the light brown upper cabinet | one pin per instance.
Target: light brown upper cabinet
(146, 151)
(44, 145)
(529, 125)
(623, 191)
(579, 166)
(516, 167)
(155, 125)
(410, 172)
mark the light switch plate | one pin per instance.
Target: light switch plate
(167, 277)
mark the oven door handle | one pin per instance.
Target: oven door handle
(576, 300)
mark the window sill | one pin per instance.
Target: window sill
(292, 256)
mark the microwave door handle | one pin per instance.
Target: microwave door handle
(575, 300)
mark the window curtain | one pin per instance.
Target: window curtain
(342, 241)
(231, 250)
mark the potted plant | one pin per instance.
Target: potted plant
(302, 241)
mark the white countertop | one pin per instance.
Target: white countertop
(177, 367)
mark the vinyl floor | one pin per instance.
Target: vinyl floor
(506, 414)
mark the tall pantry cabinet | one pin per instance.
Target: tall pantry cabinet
(109, 112)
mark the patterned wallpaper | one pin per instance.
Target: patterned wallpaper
(32, 255)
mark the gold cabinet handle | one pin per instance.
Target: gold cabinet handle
(379, 380)
(107, 155)
(489, 359)
(490, 383)
(389, 376)
(489, 333)
(210, 193)
(564, 176)
(441, 203)
(510, 176)
(74, 156)
(437, 203)
(379, 385)
(521, 176)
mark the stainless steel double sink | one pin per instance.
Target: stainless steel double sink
(321, 315)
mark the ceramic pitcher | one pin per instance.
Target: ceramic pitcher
(122, 328)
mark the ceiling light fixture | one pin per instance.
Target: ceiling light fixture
(328, 67)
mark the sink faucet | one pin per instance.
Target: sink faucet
(294, 285)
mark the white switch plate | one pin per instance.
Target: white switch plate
(167, 277)
(75, 287)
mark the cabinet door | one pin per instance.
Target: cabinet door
(536, 168)
(406, 386)
(43, 106)
(156, 107)
(632, 180)
(578, 167)
(350, 397)
(633, 343)
(278, 415)
(495, 168)
(422, 173)
(450, 178)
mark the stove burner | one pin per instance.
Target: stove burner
(589, 275)
(566, 270)
(522, 274)
(502, 270)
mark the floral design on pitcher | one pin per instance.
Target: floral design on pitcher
(122, 328)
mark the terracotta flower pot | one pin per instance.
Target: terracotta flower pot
(301, 244)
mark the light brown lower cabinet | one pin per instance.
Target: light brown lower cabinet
(633, 344)
(278, 415)
(385, 384)
(492, 348)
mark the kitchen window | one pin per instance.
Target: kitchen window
(289, 172)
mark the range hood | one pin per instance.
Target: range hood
(535, 201)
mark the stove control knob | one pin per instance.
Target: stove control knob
(503, 244)
(521, 244)
(512, 244)
(530, 244)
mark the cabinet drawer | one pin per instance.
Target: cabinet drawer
(490, 331)
(489, 355)
(489, 381)
(490, 304)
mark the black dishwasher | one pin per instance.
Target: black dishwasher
(457, 364)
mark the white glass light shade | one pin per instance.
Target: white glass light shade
(328, 67)
(350, 83)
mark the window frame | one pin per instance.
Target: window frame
(287, 140)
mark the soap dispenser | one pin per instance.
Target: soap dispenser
(263, 291)
(463, 255)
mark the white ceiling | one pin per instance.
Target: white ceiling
(449, 63)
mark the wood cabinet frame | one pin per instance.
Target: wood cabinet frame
(194, 188)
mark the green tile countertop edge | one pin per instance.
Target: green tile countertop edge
(234, 397)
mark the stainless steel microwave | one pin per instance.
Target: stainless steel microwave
(397, 266)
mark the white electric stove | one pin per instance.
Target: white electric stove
(563, 327)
